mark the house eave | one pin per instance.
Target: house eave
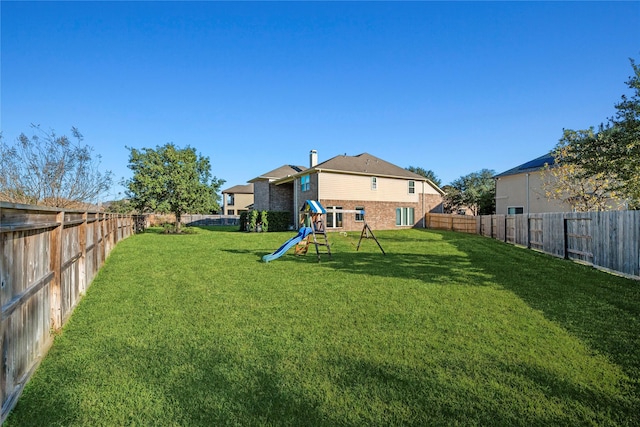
(309, 171)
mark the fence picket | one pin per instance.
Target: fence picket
(608, 240)
(48, 257)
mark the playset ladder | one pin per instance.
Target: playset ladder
(318, 229)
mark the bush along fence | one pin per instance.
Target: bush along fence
(255, 220)
(607, 240)
(48, 258)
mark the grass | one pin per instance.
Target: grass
(446, 329)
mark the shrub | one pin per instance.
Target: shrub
(279, 221)
(253, 220)
(243, 221)
(264, 220)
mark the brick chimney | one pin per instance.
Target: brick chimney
(313, 158)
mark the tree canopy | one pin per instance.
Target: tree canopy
(568, 182)
(429, 174)
(476, 191)
(172, 179)
(613, 150)
(50, 170)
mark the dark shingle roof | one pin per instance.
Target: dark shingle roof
(530, 166)
(281, 172)
(367, 164)
(239, 189)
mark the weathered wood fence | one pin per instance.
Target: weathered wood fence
(48, 258)
(608, 240)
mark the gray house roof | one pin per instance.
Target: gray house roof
(281, 172)
(362, 164)
(239, 189)
(366, 164)
(530, 166)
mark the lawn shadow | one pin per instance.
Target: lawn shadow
(601, 309)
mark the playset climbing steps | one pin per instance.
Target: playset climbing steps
(314, 216)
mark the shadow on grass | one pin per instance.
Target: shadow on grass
(601, 309)
(216, 387)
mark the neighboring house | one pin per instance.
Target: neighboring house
(391, 196)
(519, 190)
(237, 199)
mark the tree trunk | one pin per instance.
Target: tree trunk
(178, 221)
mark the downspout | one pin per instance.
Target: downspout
(295, 204)
(527, 194)
(424, 222)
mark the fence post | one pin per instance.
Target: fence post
(505, 228)
(55, 265)
(82, 262)
(528, 232)
(566, 238)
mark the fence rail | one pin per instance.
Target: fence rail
(608, 240)
(48, 258)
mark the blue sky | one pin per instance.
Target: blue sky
(454, 87)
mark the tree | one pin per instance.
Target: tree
(429, 174)
(50, 170)
(122, 206)
(171, 179)
(476, 191)
(613, 151)
(567, 182)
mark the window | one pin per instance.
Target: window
(334, 219)
(230, 199)
(412, 187)
(404, 216)
(231, 212)
(304, 183)
(360, 216)
(515, 210)
(374, 183)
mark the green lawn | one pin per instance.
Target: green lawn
(446, 329)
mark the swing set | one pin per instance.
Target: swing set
(313, 216)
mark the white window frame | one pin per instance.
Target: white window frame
(512, 210)
(359, 217)
(334, 219)
(374, 182)
(412, 187)
(405, 216)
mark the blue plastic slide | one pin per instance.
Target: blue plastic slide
(302, 233)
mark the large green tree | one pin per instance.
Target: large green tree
(47, 169)
(567, 182)
(172, 179)
(476, 191)
(613, 150)
(427, 173)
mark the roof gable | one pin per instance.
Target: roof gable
(367, 164)
(239, 189)
(530, 166)
(281, 172)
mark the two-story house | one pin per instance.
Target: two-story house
(237, 199)
(391, 196)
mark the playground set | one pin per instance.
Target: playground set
(313, 231)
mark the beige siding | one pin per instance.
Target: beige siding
(515, 191)
(356, 187)
(241, 202)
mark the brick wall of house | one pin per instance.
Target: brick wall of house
(382, 215)
(261, 195)
(281, 198)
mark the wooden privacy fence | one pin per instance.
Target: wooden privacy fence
(608, 240)
(48, 258)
